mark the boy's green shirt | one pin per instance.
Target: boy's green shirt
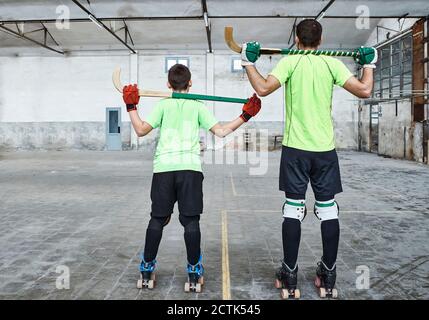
(179, 122)
(309, 85)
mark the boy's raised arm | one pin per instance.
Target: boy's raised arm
(131, 98)
(250, 109)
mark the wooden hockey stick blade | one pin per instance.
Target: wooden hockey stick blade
(229, 39)
(116, 78)
(234, 46)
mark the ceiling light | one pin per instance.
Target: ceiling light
(94, 19)
(206, 19)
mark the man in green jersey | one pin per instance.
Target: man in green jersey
(308, 152)
(177, 170)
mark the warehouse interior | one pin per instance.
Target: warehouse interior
(75, 178)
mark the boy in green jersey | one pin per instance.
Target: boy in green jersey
(308, 152)
(177, 170)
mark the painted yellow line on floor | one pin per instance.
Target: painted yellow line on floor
(234, 192)
(226, 289)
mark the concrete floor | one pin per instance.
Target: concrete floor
(88, 211)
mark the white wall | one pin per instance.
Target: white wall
(56, 89)
(78, 88)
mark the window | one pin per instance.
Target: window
(236, 64)
(171, 61)
(392, 77)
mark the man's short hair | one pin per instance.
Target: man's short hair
(309, 32)
(179, 77)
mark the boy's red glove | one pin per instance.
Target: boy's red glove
(251, 108)
(131, 97)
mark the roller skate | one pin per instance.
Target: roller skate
(195, 277)
(147, 277)
(325, 280)
(287, 279)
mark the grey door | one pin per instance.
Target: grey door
(113, 129)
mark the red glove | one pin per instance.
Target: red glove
(131, 97)
(251, 108)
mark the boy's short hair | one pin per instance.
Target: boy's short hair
(309, 32)
(179, 77)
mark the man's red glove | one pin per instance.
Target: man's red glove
(131, 97)
(251, 108)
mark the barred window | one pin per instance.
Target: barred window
(393, 78)
(171, 61)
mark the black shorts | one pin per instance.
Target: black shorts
(185, 187)
(322, 169)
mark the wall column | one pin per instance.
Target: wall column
(134, 78)
(210, 90)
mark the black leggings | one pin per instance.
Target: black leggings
(192, 237)
(291, 234)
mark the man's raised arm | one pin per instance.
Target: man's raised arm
(250, 52)
(262, 86)
(361, 88)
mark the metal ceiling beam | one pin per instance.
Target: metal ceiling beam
(103, 25)
(306, 16)
(323, 12)
(21, 35)
(190, 18)
(208, 24)
(50, 35)
(293, 32)
(127, 33)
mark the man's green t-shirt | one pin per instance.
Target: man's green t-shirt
(309, 85)
(179, 121)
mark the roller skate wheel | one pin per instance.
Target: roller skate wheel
(284, 294)
(139, 284)
(278, 284)
(297, 294)
(187, 287)
(198, 288)
(334, 293)
(201, 280)
(151, 284)
(317, 282)
(322, 292)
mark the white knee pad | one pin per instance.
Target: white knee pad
(326, 210)
(294, 209)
